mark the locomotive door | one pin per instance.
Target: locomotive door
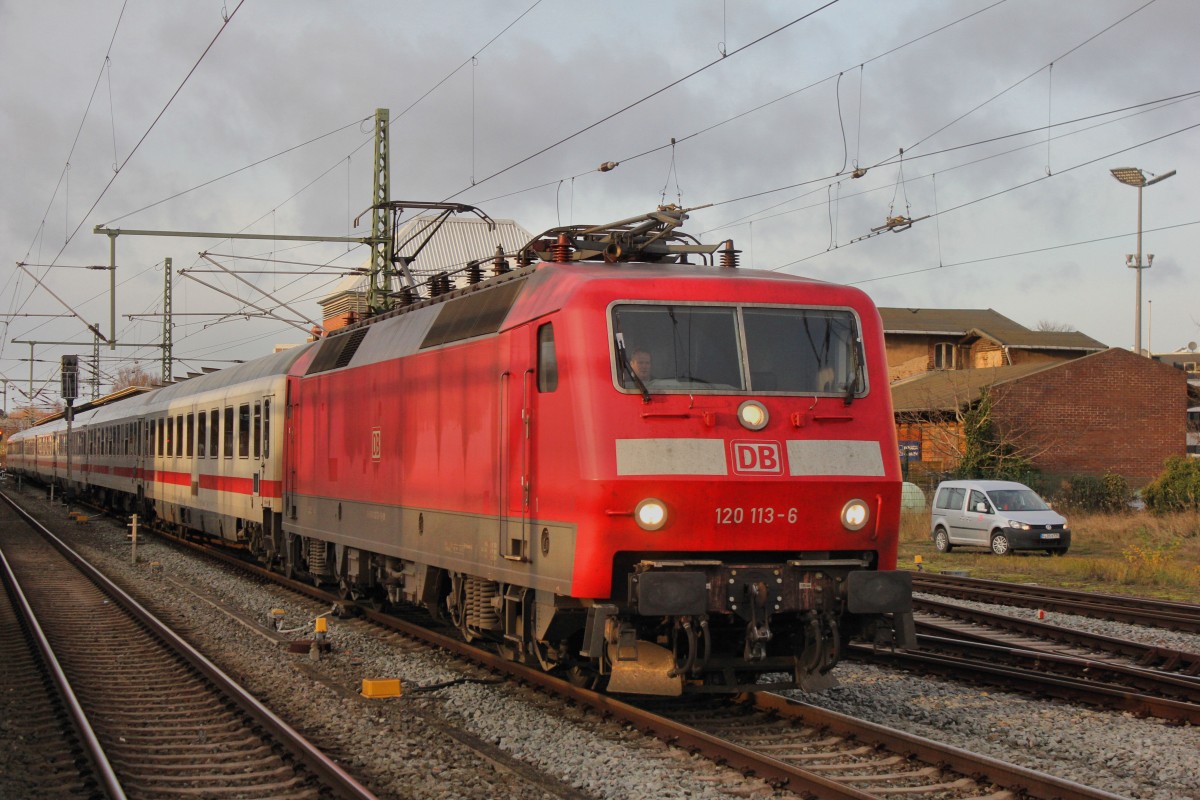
(515, 447)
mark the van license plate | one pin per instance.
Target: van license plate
(1049, 535)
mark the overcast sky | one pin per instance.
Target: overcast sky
(1021, 218)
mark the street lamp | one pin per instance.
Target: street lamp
(1136, 177)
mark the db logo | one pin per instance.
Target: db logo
(757, 458)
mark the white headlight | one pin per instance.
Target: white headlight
(753, 415)
(855, 515)
(650, 514)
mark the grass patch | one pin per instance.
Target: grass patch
(1132, 553)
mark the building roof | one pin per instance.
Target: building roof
(973, 323)
(947, 390)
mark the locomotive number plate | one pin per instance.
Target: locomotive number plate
(737, 515)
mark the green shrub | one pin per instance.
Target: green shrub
(1087, 493)
(1177, 488)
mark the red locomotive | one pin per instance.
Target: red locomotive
(667, 476)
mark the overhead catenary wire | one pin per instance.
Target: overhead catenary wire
(638, 102)
(1023, 185)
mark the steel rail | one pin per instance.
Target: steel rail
(315, 759)
(1134, 610)
(981, 645)
(1168, 659)
(1035, 785)
(1034, 681)
(87, 735)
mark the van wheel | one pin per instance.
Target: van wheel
(941, 542)
(1000, 544)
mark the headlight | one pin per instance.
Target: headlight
(855, 515)
(1021, 526)
(753, 415)
(650, 514)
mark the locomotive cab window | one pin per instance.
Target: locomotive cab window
(737, 349)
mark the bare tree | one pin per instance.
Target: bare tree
(960, 432)
(132, 375)
(1056, 327)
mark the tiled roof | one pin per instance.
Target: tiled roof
(961, 323)
(946, 390)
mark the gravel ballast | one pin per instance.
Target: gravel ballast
(486, 739)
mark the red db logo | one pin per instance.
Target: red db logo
(757, 458)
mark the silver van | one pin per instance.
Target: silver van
(1002, 515)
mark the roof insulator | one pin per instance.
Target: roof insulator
(474, 273)
(561, 249)
(499, 262)
(729, 256)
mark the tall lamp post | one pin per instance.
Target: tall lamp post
(1137, 177)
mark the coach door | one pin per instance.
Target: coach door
(515, 419)
(261, 433)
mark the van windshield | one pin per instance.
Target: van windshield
(734, 349)
(1017, 500)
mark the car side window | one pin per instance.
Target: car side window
(952, 498)
(976, 499)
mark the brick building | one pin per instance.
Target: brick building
(1062, 400)
(921, 340)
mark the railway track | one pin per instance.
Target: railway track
(973, 623)
(1045, 660)
(170, 723)
(824, 755)
(1147, 693)
(1134, 610)
(43, 756)
(827, 755)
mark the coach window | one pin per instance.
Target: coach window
(244, 431)
(228, 445)
(547, 360)
(201, 433)
(214, 432)
(266, 429)
(256, 437)
(191, 433)
(179, 435)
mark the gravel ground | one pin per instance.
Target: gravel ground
(485, 740)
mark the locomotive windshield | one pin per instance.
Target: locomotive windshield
(695, 348)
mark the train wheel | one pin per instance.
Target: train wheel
(584, 676)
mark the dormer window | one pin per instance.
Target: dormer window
(943, 355)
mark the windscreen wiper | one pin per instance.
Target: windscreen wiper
(620, 339)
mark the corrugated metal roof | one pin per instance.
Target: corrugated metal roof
(459, 241)
(985, 322)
